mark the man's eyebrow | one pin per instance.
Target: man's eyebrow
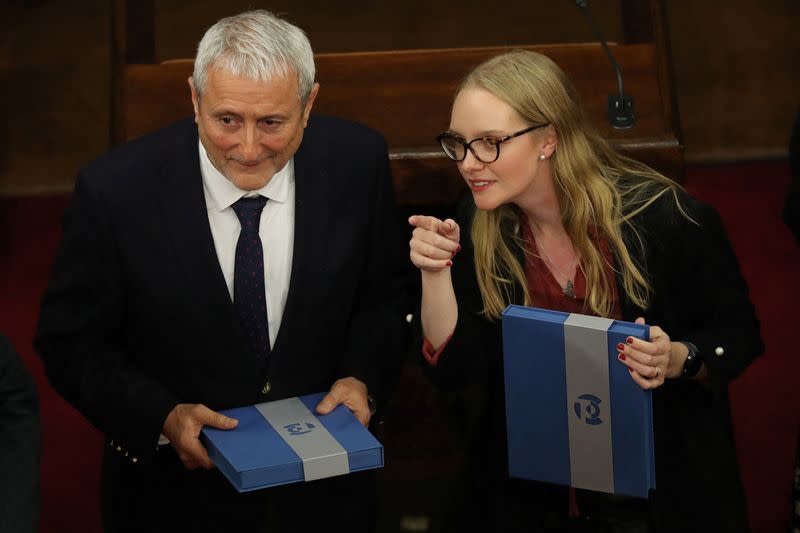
(275, 116)
(224, 112)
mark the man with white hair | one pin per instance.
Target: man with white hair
(249, 255)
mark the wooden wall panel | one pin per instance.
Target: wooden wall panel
(737, 75)
(736, 65)
(416, 88)
(55, 92)
(361, 25)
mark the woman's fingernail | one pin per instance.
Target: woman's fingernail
(620, 347)
(629, 340)
(449, 263)
(458, 248)
(621, 357)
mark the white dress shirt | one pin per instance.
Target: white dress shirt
(276, 231)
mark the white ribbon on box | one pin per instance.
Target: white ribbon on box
(322, 455)
(586, 359)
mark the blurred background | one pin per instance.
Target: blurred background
(736, 81)
(735, 64)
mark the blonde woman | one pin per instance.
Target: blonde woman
(557, 219)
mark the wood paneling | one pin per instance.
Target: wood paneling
(359, 25)
(55, 93)
(737, 73)
(408, 97)
(736, 65)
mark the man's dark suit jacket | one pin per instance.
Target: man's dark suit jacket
(698, 295)
(20, 444)
(138, 318)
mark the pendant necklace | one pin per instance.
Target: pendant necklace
(569, 289)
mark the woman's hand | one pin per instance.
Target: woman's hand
(649, 363)
(433, 242)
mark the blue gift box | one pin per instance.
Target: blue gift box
(285, 441)
(574, 414)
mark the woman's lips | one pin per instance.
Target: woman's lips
(479, 185)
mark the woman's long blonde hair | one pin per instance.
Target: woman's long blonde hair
(588, 175)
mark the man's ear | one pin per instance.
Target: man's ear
(195, 99)
(310, 103)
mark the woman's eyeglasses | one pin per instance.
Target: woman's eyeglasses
(485, 149)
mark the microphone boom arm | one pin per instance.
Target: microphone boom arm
(620, 108)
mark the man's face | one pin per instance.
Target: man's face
(250, 128)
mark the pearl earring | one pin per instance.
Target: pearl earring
(542, 157)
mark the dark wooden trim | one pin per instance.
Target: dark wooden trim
(132, 38)
(140, 35)
(117, 31)
(637, 21)
(666, 70)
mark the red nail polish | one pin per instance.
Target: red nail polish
(620, 347)
(453, 254)
(629, 340)
(458, 249)
(449, 263)
(630, 370)
(621, 357)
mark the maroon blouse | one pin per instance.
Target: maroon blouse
(544, 289)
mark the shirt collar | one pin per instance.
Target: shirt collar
(222, 193)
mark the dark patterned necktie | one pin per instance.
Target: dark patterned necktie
(248, 275)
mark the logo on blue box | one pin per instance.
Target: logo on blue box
(591, 404)
(298, 428)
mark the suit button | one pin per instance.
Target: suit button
(409, 318)
(134, 459)
(266, 388)
(720, 351)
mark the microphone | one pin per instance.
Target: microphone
(620, 106)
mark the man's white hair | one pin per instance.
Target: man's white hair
(257, 45)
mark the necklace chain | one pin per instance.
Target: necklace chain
(569, 289)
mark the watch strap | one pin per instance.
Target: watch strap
(693, 362)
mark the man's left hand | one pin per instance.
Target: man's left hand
(352, 393)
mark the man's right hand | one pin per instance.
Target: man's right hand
(183, 426)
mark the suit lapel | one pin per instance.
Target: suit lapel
(310, 214)
(186, 225)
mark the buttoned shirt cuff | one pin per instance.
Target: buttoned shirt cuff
(431, 355)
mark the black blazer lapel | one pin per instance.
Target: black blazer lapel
(312, 208)
(187, 227)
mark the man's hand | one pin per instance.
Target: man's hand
(352, 393)
(183, 426)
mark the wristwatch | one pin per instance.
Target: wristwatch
(693, 361)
